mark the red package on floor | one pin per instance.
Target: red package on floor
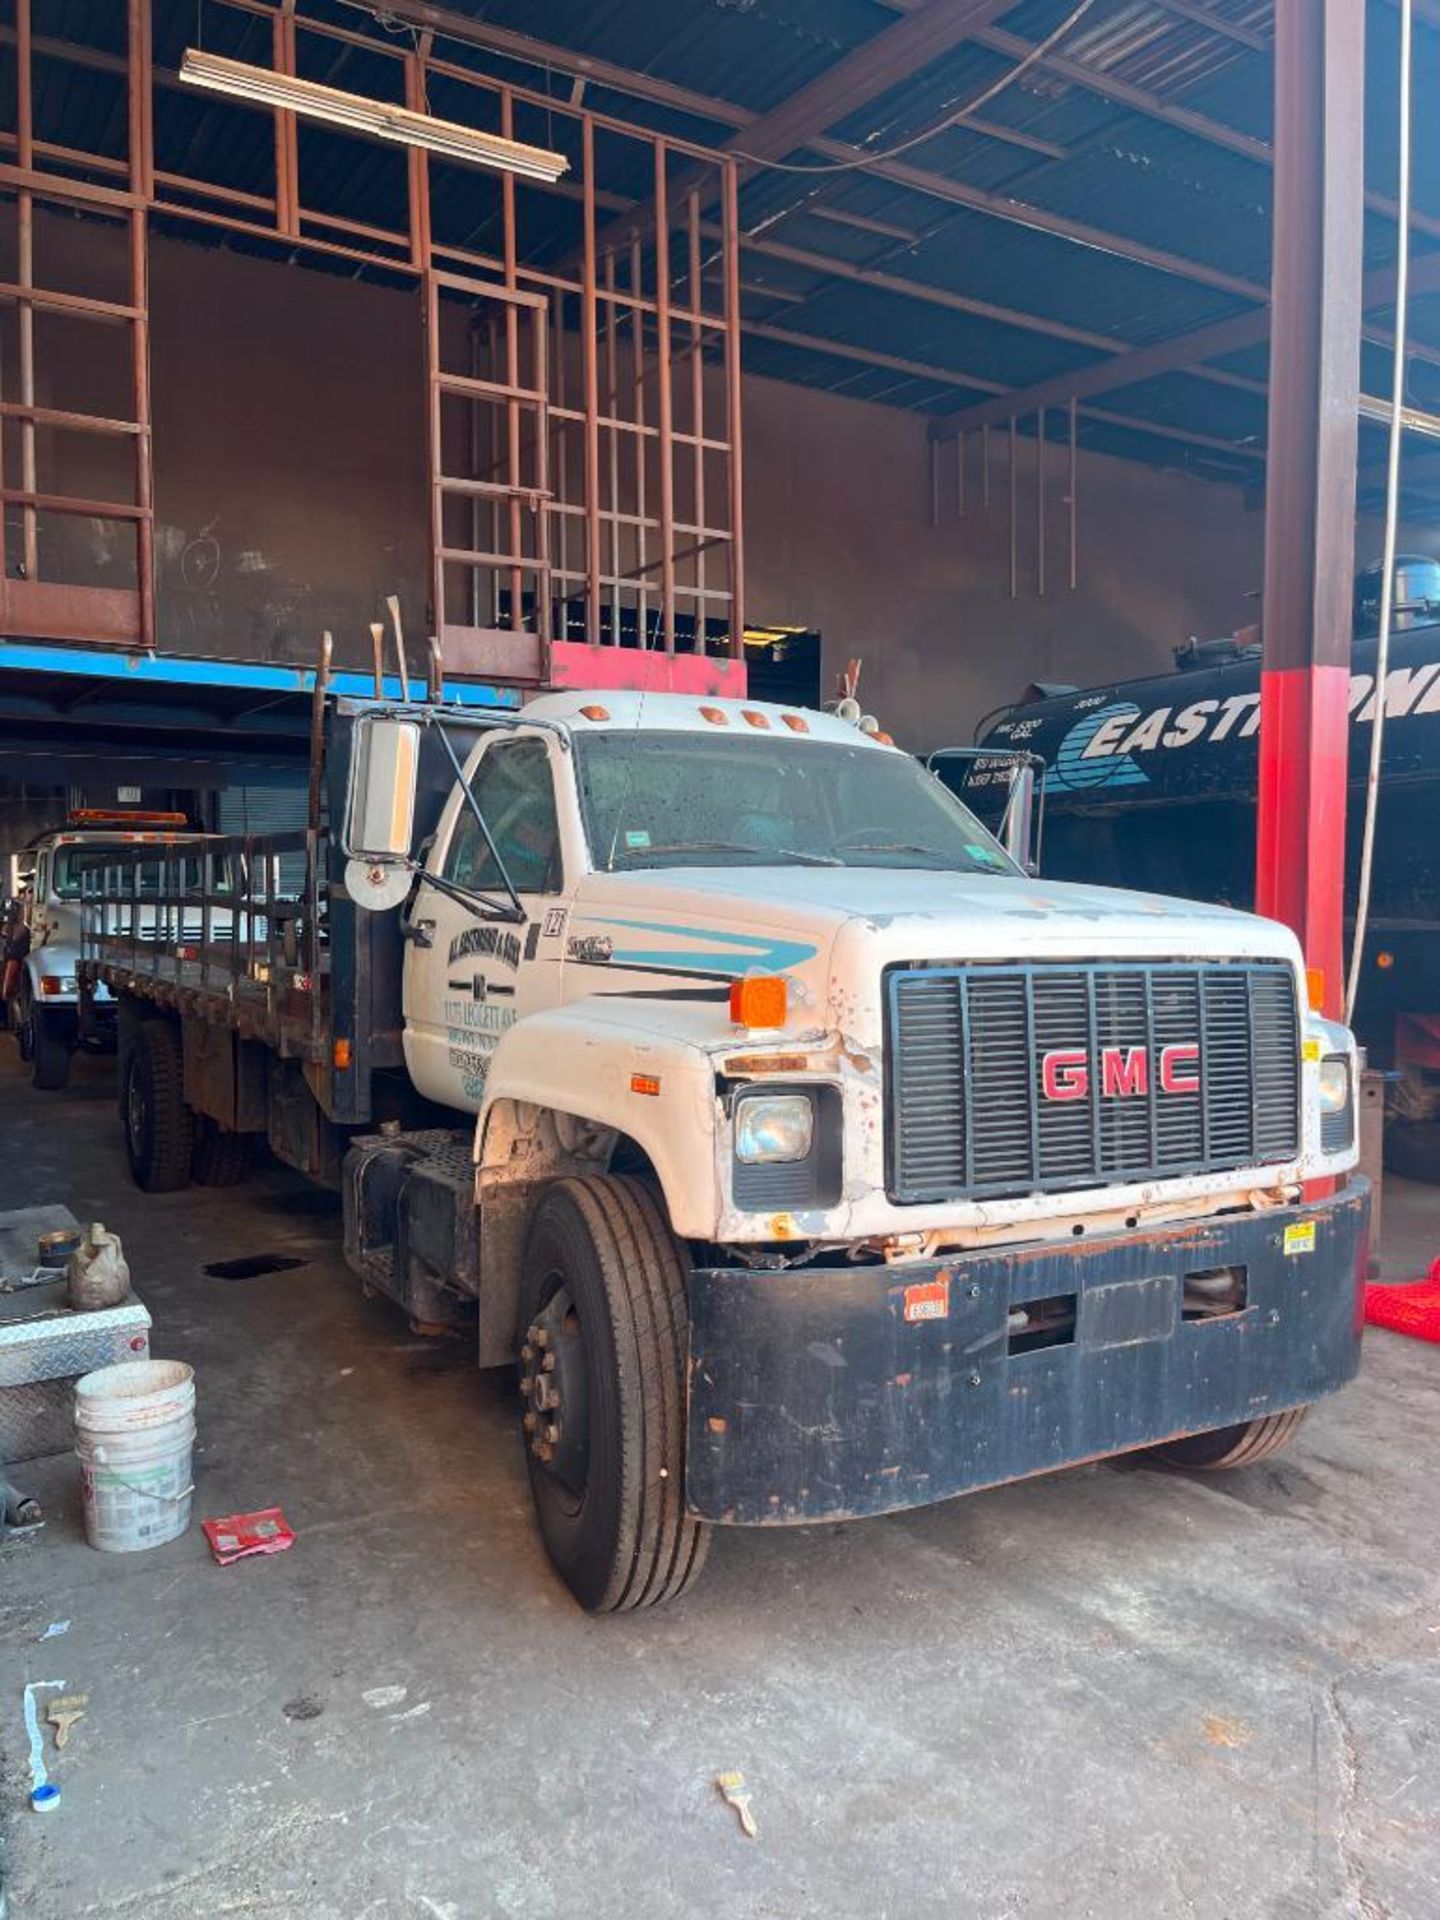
(240, 1534)
(1412, 1308)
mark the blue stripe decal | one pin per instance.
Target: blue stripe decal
(747, 951)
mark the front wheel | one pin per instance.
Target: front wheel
(23, 1020)
(1240, 1446)
(1412, 1149)
(602, 1376)
(51, 1050)
(159, 1127)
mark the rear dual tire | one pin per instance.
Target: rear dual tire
(167, 1143)
(159, 1127)
(221, 1158)
(603, 1302)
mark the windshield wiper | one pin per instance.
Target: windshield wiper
(735, 846)
(898, 846)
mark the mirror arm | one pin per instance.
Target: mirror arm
(517, 911)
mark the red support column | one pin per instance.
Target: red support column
(1310, 474)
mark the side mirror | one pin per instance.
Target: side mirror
(1018, 833)
(380, 806)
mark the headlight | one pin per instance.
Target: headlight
(773, 1127)
(1334, 1083)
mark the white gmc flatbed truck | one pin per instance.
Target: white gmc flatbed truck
(709, 1063)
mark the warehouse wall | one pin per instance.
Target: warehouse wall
(839, 537)
(290, 496)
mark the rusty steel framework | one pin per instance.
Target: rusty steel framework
(583, 416)
(29, 603)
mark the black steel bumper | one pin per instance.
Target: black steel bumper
(836, 1392)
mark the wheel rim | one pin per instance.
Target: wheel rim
(134, 1110)
(556, 1391)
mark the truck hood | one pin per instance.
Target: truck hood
(832, 930)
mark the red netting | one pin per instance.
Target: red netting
(1412, 1308)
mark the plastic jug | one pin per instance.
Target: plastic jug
(97, 1276)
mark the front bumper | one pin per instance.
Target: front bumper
(830, 1393)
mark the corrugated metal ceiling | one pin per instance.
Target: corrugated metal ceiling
(1177, 167)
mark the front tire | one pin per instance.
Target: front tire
(51, 1051)
(1412, 1149)
(1241, 1446)
(602, 1370)
(159, 1127)
(23, 1020)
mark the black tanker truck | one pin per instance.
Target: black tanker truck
(1152, 783)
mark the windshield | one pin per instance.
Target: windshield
(664, 799)
(69, 866)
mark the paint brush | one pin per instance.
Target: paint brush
(737, 1795)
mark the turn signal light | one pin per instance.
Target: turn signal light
(648, 1083)
(758, 1001)
(340, 1054)
(1315, 988)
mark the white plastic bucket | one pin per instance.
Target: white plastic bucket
(134, 1431)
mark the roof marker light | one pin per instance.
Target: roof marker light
(595, 713)
(796, 722)
(717, 716)
(754, 718)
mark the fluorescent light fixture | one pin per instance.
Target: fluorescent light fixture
(378, 118)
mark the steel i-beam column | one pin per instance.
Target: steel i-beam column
(1310, 474)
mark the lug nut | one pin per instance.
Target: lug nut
(547, 1365)
(552, 1434)
(542, 1336)
(530, 1422)
(527, 1352)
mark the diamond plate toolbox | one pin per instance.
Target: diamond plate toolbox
(44, 1348)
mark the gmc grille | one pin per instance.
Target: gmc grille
(1013, 1079)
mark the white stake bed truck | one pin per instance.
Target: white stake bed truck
(45, 1006)
(709, 1062)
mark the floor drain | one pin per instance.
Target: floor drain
(253, 1265)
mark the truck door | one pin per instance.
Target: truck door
(469, 977)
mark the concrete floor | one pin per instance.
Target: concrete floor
(1115, 1692)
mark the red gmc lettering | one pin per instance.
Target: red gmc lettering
(1064, 1073)
(1123, 1071)
(1180, 1069)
